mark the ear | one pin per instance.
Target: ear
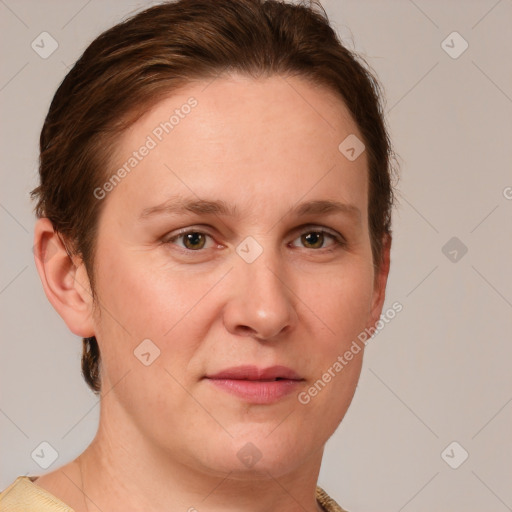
(380, 281)
(64, 279)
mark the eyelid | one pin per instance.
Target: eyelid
(317, 228)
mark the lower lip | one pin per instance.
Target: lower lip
(257, 391)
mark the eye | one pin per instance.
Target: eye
(315, 238)
(192, 240)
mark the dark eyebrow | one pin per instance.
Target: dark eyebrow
(180, 205)
(326, 206)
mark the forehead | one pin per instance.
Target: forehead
(249, 140)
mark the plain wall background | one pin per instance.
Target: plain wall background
(438, 373)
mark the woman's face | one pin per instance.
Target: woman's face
(274, 280)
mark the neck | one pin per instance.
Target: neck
(118, 477)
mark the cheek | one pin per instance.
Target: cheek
(142, 300)
(339, 312)
(341, 301)
(141, 295)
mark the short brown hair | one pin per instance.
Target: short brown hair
(131, 66)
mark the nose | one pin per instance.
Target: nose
(261, 303)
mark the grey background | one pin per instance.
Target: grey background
(438, 373)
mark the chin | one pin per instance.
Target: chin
(258, 455)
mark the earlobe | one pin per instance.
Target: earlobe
(65, 281)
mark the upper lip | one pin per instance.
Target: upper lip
(250, 372)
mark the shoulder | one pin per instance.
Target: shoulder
(326, 502)
(24, 496)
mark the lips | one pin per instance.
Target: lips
(254, 373)
(257, 385)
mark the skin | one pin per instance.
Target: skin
(168, 438)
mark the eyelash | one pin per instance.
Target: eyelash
(339, 241)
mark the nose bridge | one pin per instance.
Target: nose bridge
(261, 301)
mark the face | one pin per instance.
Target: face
(233, 268)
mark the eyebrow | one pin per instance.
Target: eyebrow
(179, 205)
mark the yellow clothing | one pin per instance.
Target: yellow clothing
(25, 496)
